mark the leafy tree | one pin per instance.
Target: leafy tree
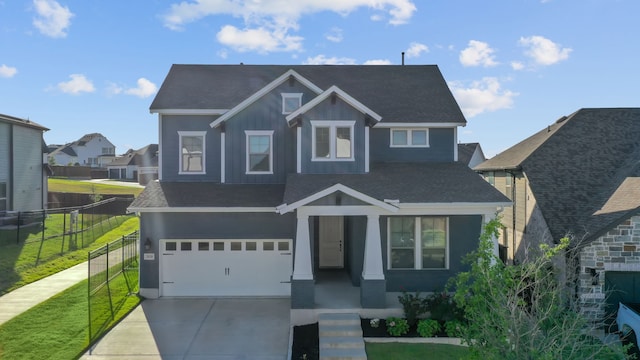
(522, 312)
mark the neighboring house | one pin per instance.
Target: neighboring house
(140, 165)
(470, 154)
(579, 177)
(92, 150)
(23, 171)
(272, 175)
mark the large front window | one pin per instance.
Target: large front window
(192, 152)
(332, 140)
(418, 242)
(259, 152)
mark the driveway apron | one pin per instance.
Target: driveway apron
(200, 328)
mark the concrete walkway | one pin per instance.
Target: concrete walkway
(28, 296)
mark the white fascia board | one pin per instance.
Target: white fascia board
(417, 125)
(451, 208)
(285, 208)
(201, 210)
(189, 111)
(265, 90)
(341, 94)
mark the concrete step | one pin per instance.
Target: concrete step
(339, 319)
(343, 342)
(339, 330)
(343, 354)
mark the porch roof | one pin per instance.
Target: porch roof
(412, 183)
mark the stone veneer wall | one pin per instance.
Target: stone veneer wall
(618, 250)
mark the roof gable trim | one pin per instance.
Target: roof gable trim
(265, 90)
(341, 94)
(189, 111)
(285, 208)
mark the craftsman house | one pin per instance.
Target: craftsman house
(23, 173)
(138, 165)
(93, 150)
(579, 177)
(271, 176)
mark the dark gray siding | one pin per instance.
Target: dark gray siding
(441, 147)
(356, 227)
(156, 226)
(338, 112)
(264, 114)
(464, 234)
(171, 124)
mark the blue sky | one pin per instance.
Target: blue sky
(514, 66)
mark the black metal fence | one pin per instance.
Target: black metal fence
(113, 275)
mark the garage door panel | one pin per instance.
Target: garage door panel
(226, 267)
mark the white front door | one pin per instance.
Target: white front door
(331, 242)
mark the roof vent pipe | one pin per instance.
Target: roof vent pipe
(403, 58)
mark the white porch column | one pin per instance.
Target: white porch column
(372, 268)
(302, 260)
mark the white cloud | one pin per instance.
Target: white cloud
(323, 60)
(334, 35)
(114, 89)
(223, 53)
(272, 21)
(543, 51)
(7, 71)
(377, 62)
(78, 84)
(415, 49)
(259, 40)
(145, 89)
(517, 65)
(52, 19)
(482, 96)
(478, 53)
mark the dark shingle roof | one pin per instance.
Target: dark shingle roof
(22, 122)
(146, 156)
(203, 194)
(576, 166)
(466, 151)
(412, 93)
(406, 182)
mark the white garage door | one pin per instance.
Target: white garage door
(225, 267)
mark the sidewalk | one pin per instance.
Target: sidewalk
(28, 296)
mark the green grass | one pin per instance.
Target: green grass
(404, 351)
(32, 259)
(58, 328)
(85, 187)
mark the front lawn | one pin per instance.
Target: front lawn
(57, 328)
(404, 351)
(86, 187)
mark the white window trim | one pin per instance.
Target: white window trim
(286, 96)
(332, 125)
(202, 134)
(417, 250)
(409, 138)
(249, 133)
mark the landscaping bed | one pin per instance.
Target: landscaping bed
(305, 342)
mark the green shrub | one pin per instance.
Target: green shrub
(397, 326)
(453, 328)
(442, 307)
(413, 306)
(428, 327)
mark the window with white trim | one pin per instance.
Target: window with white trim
(259, 151)
(291, 102)
(332, 140)
(3, 196)
(418, 242)
(409, 138)
(192, 152)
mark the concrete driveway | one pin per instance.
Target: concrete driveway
(200, 328)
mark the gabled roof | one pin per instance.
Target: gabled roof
(145, 156)
(65, 149)
(397, 93)
(21, 122)
(466, 151)
(342, 95)
(578, 168)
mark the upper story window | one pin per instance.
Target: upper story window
(332, 140)
(409, 138)
(108, 151)
(418, 242)
(291, 102)
(259, 151)
(490, 177)
(192, 152)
